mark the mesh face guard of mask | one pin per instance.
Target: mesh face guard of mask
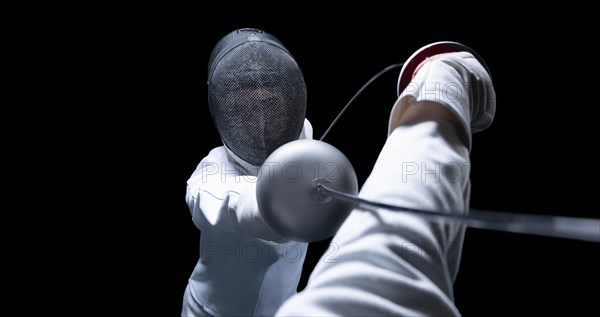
(256, 94)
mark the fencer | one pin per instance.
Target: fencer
(257, 99)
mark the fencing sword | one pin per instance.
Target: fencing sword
(311, 203)
(307, 188)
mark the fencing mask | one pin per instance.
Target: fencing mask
(256, 94)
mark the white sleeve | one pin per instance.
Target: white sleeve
(387, 263)
(220, 195)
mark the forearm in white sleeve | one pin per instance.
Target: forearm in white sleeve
(222, 194)
(249, 217)
(386, 263)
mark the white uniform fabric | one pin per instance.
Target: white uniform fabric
(389, 263)
(245, 269)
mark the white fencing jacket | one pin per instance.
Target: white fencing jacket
(245, 268)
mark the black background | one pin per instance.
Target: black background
(150, 99)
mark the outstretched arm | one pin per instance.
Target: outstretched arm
(220, 195)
